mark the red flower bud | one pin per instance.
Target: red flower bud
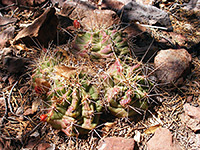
(43, 117)
(38, 90)
(76, 24)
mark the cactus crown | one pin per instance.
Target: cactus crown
(100, 44)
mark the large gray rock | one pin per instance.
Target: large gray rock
(172, 65)
(134, 11)
(116, 143)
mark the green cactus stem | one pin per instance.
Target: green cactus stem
(100, 44)
(126, 90)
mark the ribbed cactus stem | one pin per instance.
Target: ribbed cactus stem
(100, 44)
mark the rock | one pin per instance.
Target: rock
(44, 146)
(99, 19)
(115, 5)
(191, 111)
(4, 21)
(14, 64)
(76, 10)
(23, 2)
(134, 11)
(6, 35)
(116, 143)
(172, 65)
(191, 117)
(193, 5)
(162, 140)
(89, 17)
(42, 30)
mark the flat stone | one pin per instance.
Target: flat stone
(134, 11)
(116, 143)
(191, 117)
(162, 140)
(89, 16)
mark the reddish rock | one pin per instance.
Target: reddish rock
(76, 10)
(114, 4)
(44, 146)
(191, 117)
(172, 65)
(193, 112)
(23, 2)
(162, 140)
(89, 16)
(116, 143)
(42, 30)
(99, 19)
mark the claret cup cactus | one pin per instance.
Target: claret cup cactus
(73, 101)
(100, 44)
(76, 96)
(125, 89)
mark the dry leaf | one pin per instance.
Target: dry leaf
(35, 105)
(43, 29)
(152, 129)
(65, 71)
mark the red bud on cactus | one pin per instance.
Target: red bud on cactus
(76, 24)
(43, 117)
(38, 90)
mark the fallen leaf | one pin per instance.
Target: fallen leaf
(42, 30)
(65, 71)
(35, 105)
(152, 129)
(28, 112)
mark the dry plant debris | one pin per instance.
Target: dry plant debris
(21, 106)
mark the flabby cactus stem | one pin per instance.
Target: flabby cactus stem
(127, 98)
(74, 104)
(132, 69)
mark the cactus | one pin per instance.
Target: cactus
(126, 90)
(74, 96)
(72, 100)
(100, 44)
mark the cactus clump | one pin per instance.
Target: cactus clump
(72, 99)
(126, 89)
(75, 96)
(100, 44)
